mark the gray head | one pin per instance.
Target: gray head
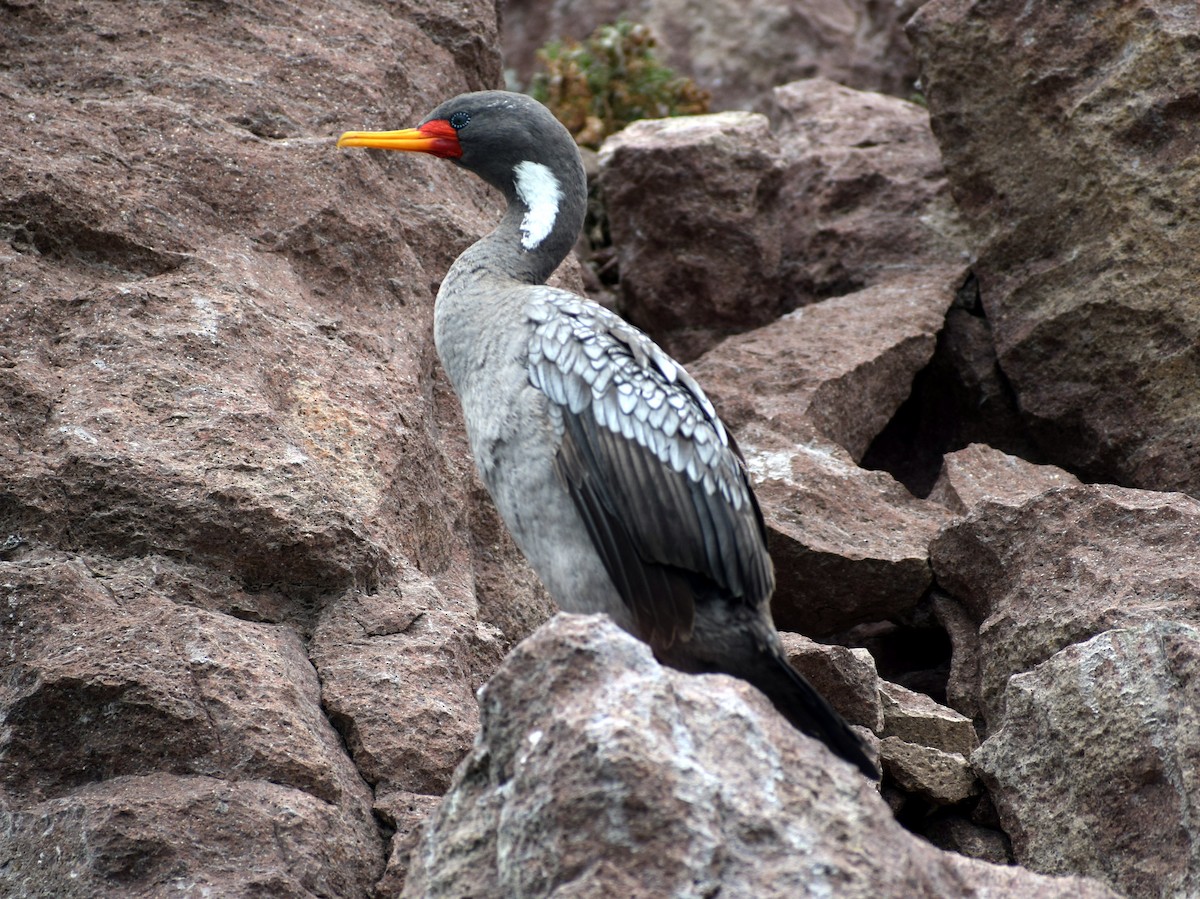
(514, 144)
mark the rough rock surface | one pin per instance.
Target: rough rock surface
(945, 778)
(1065, 566)
(162, 834)
(980, 474)
(915, 718)
(1075, 614)
(222, 433)
(863, 197)
(736, 56)
(849, 545)
(600, 773)
(1095, 767)
(693, 208)
(960, 398)
(844, 676)
(845, 364)
(1073, 172)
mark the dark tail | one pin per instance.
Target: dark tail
(807, 710)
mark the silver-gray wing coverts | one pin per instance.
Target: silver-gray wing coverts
(661, 486)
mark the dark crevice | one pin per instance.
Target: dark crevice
(961, 397)
(912, 650)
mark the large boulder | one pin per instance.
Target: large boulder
(1095, 767)
(693, 208)
(1064, 566)
(863, 198)
(238, 516)
(1076, 623)
(600, 773)
(1073, 171)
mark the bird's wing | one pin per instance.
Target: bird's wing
(659, 483)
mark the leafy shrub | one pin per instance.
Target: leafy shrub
(612, 78)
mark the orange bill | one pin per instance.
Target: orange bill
(436, 137)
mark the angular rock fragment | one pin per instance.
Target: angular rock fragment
(844, 676)
(945, 778)
(1094, 765)
(706, 261)
(845, 364)
(1064, 566)
(863, 197)
(980, 474)
(849, 545)
(915, 718)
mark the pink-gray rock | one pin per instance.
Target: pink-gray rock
(849, 545)
(863, 197)
(1072, 170)
(737, 53)
(845, 364)
(600, 773)
(692, 206)
(161, 835)
(1095, 766)
(405, 813)
(960, 398)
(970, 839)
(945, 778)
(222, 432)
(844, 676)
(1065, 566)
(152, 744)
(398, 676)
(981, 474)
(963, 686)
(916, 719)
(107, 677)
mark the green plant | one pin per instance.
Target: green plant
(612, 78)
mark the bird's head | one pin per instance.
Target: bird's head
(503, 137)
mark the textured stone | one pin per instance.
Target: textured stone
(1095, 766)
(161, 835)
(915, 718)
(222, 431)
(405, 813)
(737, 56)
(106, 677)
(844, 676)
(970, 839)
(946, 778)
(600, 773)
(849, 545)
(961, 397)
(1073, 171)
(1065, 566)
(863, 197)
(845, 364)
(398, 677)
(980, 474)
(706, 261)
(963, 686)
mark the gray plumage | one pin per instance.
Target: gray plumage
(604, 457)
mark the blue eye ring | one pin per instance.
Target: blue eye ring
(460, 120)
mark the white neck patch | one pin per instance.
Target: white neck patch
(540, 192)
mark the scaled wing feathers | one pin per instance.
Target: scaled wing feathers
(658, 482)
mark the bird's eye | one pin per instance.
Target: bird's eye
(459, 120)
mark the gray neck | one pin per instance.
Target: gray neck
(501, 253)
